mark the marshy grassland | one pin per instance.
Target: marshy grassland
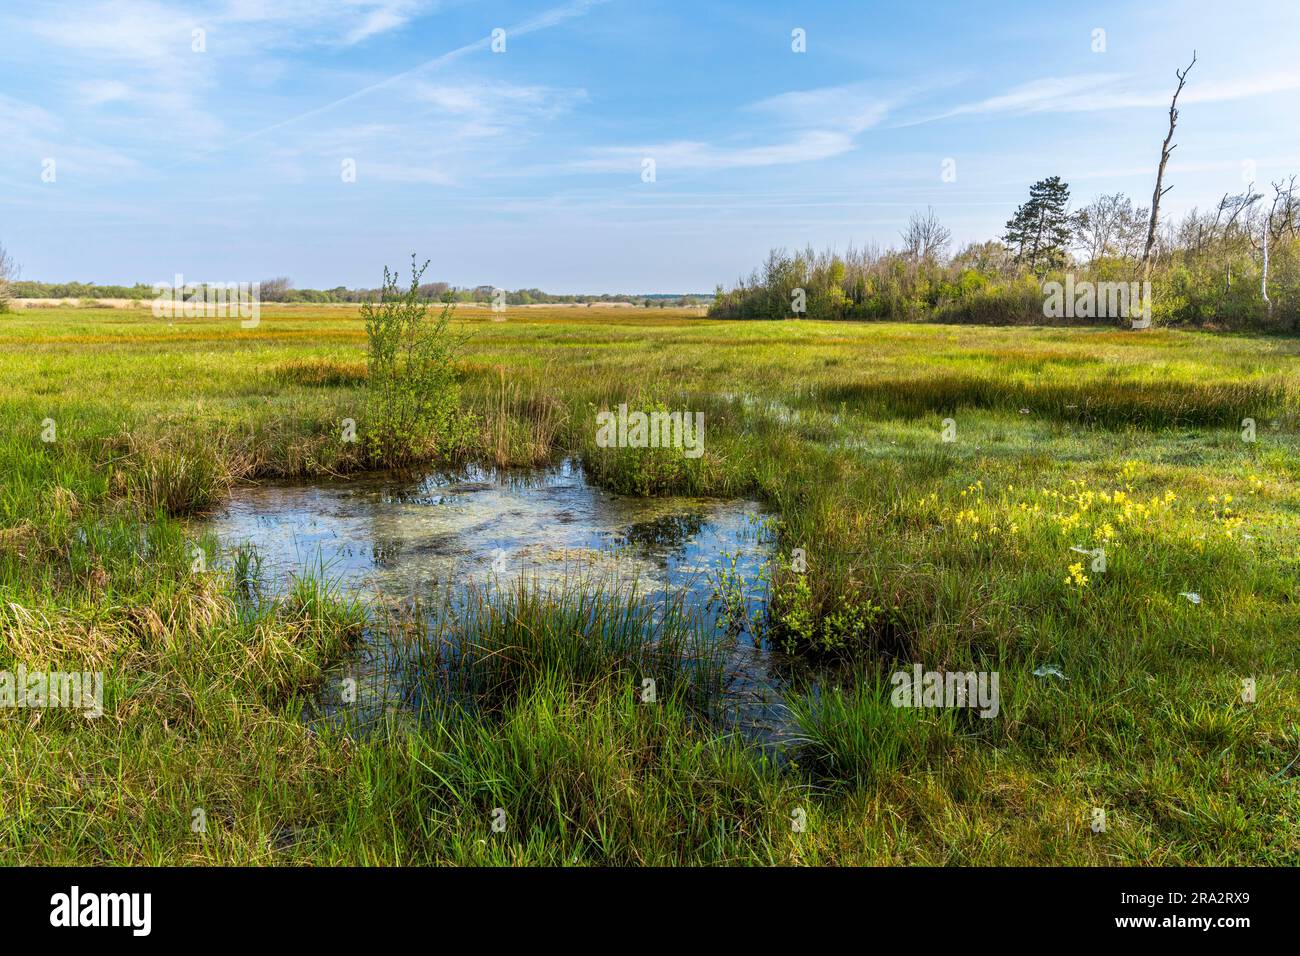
(952, 554)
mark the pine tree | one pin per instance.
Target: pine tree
(1040, 229)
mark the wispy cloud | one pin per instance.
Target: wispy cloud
(384, 17)
(851, 107)
(543, 21)
(431, 133)
(495, 102)
(694, 155)
(1108, 91)
(98, 92)
(168, 63)
(32, 134)
(801, 126)
(344, 22)
(17, 116)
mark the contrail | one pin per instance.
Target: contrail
(542, 21)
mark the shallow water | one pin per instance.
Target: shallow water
(421, 540)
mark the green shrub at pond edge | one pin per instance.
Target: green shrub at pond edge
(413, 408)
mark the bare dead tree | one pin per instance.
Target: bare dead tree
(275, 290)
(1284, 218)
(8, 272)
(1110, 226)
(1236, 206)
(925, 238)
(1236, 231)
(1168, 147)
(1263, 275)
(1095, 226)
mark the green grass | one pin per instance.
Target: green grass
(1064, 438)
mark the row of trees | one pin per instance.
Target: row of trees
(281, 289)
(1235, 265)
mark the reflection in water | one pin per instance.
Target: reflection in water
(672, 531)
(420, 542)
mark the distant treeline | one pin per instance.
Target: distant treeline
(282, 290)
(1235, 266)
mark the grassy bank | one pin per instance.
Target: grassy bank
(952, 554)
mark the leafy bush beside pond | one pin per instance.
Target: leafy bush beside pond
(413, 397)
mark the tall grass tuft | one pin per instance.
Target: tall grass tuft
(594, 778)
(177, 475)
(586, 634)
(854, 734)
(521, 427)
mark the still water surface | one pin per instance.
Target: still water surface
(405, 541)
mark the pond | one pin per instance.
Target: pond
(423, 541)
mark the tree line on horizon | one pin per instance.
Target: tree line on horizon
(281, 289)
(1234, 266)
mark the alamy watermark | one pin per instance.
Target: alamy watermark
(921, 688)
(80, 690)
(651, 430)
(192, 300)
(75, 908)
(1098, 300)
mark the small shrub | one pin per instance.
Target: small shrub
(848, 626)
(413, 401)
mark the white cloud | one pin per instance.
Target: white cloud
(138, 56)
(851, 107)
(291, 22)
(687, 154)
(17, 117)
(32, 134)
(430, 133)
(806, 126)
(495, 101)
(384, 17)
(1109, 91)
(98, 92)
(417, 173)
(543, 21)
(136, 30)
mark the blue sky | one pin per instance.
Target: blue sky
(524, 167)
